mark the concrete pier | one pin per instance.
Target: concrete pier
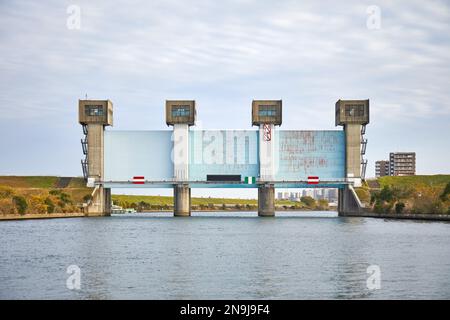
(100, 204)
(266, 201)
(107, 202)
(348, 202)
(182, 201)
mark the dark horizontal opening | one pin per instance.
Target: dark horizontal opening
(223, 177)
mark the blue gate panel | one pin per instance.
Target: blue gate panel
(138, 153)
(219, 152)
(299, 154)
(310, 153)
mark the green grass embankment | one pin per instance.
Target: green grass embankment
(420, 194)
(41, 194)
(439, 180)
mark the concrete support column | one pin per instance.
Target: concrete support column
(266, 192)
(181, 152)
(348, 201)
(107, 202)
(267, 153)
(101, 200)
(95, 140)
(181, 193)
(353, 153)
(266, 201)
(341, 210)
(182, 201)
(100, 204)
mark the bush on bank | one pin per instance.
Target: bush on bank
(20, 203)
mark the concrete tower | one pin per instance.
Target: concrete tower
(266, 114)
(181, 114)
(95, 115)
(353, 115)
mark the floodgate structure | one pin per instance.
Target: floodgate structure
(186, 157)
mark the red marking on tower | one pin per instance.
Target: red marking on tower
(267, 132)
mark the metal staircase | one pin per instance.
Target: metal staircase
(84, 146)
(363, 152)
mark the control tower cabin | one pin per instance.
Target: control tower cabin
(266, 114)
(181, 114)
(95, 115)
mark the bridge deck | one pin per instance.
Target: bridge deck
(340, 183)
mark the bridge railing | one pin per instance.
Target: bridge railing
(302, 183)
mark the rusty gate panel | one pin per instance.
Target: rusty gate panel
(310, 153)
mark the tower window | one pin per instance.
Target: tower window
(181, 111)
(354, 110)
(267, 111)
(91, 110)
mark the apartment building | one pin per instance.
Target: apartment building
(402, 163)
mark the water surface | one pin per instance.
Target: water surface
(224, 256)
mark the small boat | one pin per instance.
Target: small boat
(119, 210)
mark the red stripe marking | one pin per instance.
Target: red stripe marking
(138, 180)
(313, 180)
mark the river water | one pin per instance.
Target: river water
(225, 256)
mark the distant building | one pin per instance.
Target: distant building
(318, 194)
(328, 194)
(332, 195)
(402, 163)
(381, 168)
(294, 196)
(308, 193)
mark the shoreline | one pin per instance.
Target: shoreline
(10, 217)
(402, 216)
(423, 217)
(32, 216)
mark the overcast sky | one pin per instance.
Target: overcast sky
(223, 54)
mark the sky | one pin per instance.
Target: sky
(223, 54)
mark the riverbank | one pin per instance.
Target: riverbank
(424, 217)
(401, 216)
(8, 217)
